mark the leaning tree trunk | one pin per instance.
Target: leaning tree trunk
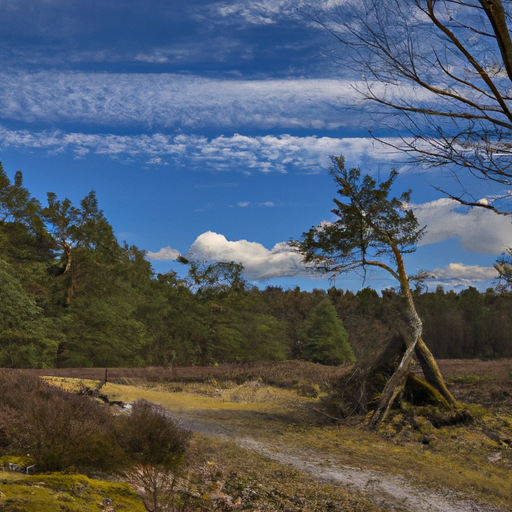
(397, 381)
(393, 386)
(432, 373)
(414, 344)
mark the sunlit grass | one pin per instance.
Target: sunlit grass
(202, 397)
(461, 458)
(70, 384)
(76, 493)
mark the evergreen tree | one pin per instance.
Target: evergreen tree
(324, 337)
(24, 337)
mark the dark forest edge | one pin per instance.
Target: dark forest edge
(73, 296)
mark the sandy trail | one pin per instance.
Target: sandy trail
(388, 491)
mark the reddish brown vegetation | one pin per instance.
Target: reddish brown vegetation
(498, 369)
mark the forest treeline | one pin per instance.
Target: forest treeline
(71, 295)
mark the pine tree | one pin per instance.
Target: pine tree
(324, 337)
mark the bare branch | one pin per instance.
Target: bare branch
(477, 204)
(444, 67)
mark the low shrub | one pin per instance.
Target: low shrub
(150, 435)
(156, 444)
(65, 431)
(58, 430)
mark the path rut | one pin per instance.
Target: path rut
(388, 491)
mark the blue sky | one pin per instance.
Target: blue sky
(205, 128)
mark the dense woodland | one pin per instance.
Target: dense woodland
(71, 295)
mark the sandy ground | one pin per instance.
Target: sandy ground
(388, 491)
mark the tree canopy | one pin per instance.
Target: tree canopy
(371, 229)
(106, 307)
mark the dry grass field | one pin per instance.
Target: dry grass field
(259, 431)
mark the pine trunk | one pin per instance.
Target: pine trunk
(432, 373)
(415, 345)
(393, 387)
(397, 381)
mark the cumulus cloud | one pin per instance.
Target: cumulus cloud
(458, 274)
(478, 229)
(269, 153)
(259, 262)
(164, 254)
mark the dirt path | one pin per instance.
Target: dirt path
(388, 491)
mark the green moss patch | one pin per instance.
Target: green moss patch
(63, 492)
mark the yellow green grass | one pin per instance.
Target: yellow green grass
(460, 458)
(64, 492)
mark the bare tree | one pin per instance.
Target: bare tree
(439, 75)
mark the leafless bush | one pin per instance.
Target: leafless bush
(59, 430)
(156, 444)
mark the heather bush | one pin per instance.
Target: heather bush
(61, 430)
(58, 430)
(150, 435)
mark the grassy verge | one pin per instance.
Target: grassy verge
(64, 492)
(474, 460)
(462, 458)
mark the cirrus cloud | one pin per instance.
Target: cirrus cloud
(173, 100)
(268, 153)
(262, 12)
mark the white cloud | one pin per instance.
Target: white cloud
(458, 274)
(263, 12)
(172, 100)
(216, 49)
(243, 204)
(283, 153)
(478, 230)
(164, 254)
(259, 262)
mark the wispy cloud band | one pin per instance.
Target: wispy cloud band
(283, 153)
(171, 100)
